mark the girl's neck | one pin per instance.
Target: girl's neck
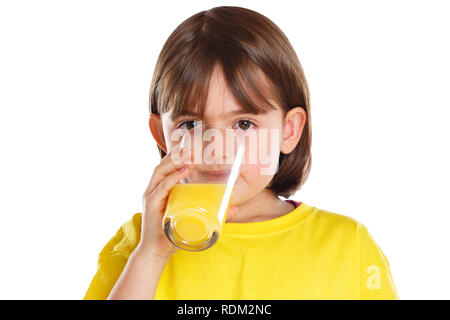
(264, 206)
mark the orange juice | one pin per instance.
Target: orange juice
(194, 215)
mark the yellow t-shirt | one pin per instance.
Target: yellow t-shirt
(308, 253)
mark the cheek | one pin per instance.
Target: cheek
(250, 182)
(262, 152)
(172, 138)
(252, 175)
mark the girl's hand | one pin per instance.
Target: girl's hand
(165, 176)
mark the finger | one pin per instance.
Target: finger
(232, 212)
(161, 192)
(166, 167)
(179, 156)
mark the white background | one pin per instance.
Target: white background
(77, 154)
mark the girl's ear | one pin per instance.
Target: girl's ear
(293, 124)
(157, 130)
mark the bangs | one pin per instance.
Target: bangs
(185, 85)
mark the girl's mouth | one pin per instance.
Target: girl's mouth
(215, 175)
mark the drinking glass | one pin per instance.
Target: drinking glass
(197, 205)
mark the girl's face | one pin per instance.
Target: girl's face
(265, 135)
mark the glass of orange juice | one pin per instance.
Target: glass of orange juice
(197, 205)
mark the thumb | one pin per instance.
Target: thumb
(232, 211)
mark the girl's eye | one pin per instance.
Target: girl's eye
(187, 125)
(245, 125)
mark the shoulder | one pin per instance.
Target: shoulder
(126, 237)
(334, 222)
(339, 224)
(338, 227)
(352, 239)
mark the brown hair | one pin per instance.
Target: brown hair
(245, 44)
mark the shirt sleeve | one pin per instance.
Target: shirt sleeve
(109, 268)
(375, 274)
(113, 258)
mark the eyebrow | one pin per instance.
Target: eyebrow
(230, 113)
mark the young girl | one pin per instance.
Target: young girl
(233, 68)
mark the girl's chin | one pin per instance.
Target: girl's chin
(238, 196)
(237, 193)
